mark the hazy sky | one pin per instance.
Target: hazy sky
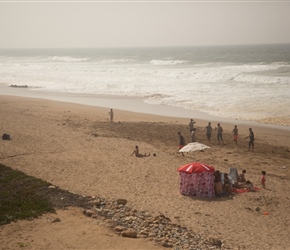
(46, 24)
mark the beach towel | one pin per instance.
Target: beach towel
(243, 190)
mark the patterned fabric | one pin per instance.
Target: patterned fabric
(199, 185)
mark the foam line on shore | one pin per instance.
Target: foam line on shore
(132, 104)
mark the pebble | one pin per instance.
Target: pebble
(133, 224)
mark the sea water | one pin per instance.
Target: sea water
(236, 82)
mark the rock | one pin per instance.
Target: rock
(129, 234)
(131, 223)
(216, 242)
(120, 228)
(122, 201)
(88, 213)
(55, 220)
(258, 209)
(167, 244)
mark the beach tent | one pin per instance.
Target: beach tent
(197, 179)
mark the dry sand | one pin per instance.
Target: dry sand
(75, 147)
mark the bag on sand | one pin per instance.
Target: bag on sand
(6, 137)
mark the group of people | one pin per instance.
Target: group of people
(209, 132)
(225, 183)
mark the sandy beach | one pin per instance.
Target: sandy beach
(74, 147)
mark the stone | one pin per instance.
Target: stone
(120, 228)
(129, 234)
(122, 201)
(167, 244)
(55, 220)
(88, 212)
(215, 242)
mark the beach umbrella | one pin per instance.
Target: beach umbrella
(196, 168)
(193, 146)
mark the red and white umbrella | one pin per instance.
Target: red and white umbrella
(196, 167)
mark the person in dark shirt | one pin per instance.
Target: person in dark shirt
(208, 131)
(191, 125)
(252, 138)
(181, 141)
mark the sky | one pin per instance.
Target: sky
(82, 24)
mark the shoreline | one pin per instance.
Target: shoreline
(132, 104)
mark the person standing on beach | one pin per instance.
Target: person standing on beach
(252, 138)
(219, 133)
(111, 115)
(192, 136)
(208, 131)
(191, 125)
(235, 134)
(181, 141)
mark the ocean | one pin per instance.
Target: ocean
(250, 83)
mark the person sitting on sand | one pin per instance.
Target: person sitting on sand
(218, 186)
(249, 186)
(137, 154)
(227, 186)
(238, 184)
(243, 176)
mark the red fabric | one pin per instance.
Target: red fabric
(196, 167)
(199, 185)
(243, 190)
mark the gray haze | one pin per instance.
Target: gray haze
(140, 23)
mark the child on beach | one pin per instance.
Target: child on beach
(243, 176)
(263, 179)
